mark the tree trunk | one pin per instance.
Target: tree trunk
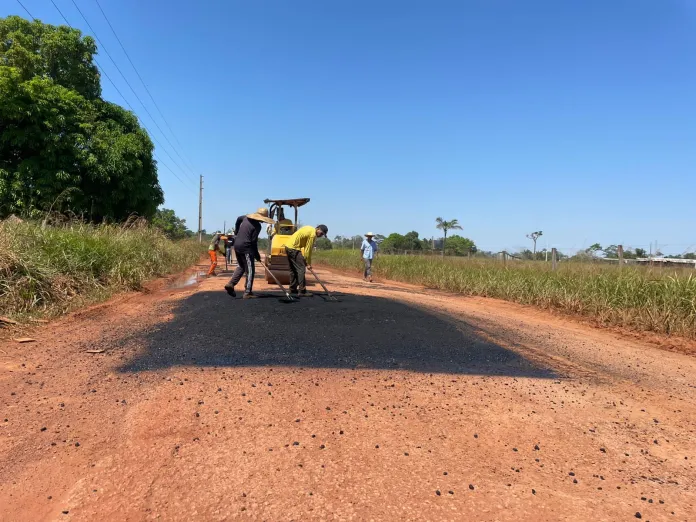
(444, 243)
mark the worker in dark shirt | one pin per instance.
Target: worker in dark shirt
(229, 243)
(246, 249)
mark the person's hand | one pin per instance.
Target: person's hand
(309, 267)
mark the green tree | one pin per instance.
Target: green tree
(60, 54)
(611, 252)
(168, 222)
(460, 246)
(411, 241)
(446, 226)
(393, 243)
(61, 143)
(323, 243)
(593, 249)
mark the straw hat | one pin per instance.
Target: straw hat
(369, 234)
(261, 215)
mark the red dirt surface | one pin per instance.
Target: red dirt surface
(395, 404)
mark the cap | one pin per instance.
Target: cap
(324, 229)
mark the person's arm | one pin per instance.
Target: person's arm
(238, 224)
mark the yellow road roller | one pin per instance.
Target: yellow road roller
(279, 233)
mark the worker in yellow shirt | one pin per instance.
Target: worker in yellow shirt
(299, 251)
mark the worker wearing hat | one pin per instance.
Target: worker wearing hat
(299, 251)
(213, 250)
(368, 250)
(246, 249)
(229, 243)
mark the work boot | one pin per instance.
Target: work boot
(249, 296)
(230, 291)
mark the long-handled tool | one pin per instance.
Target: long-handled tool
(290, 299)
(331, 296)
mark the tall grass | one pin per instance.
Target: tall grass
(49, 269)
(662, 301)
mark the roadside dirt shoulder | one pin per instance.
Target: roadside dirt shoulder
(393, 404)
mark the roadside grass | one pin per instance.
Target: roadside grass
(639, 298)
(49, 270)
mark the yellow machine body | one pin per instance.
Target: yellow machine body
(280, 233)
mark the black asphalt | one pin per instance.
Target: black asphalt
(212, 329)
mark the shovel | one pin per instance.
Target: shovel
(289, 298)
(331, 296)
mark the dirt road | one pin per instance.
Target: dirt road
(394, 404)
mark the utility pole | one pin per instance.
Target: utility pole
(224, 227)
(200, 211)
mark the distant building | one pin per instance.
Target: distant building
(667, 261)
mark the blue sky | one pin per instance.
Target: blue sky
(577, 118)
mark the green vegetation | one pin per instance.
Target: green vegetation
(662, 301)
(51, 269)
(170, 224)
(62, 147)
(445, 226)
(399, 243)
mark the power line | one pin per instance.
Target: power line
(27, 10)
(145, 86)
(159, 161)
(61, 13)
(143, 124)
(128, 83)
(102, 71)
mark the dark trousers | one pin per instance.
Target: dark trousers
(245, 265)
(298, 267)
(367, 274)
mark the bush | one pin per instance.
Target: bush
(51, 269)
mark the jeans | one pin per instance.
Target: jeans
(298, 267)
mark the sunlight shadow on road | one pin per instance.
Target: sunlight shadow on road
(212, 329)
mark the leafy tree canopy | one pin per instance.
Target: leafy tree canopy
(459, 246)
(323, 243)
(61, 146)
(172, 225)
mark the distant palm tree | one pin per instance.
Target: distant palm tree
(534, 236)
(445, 226)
